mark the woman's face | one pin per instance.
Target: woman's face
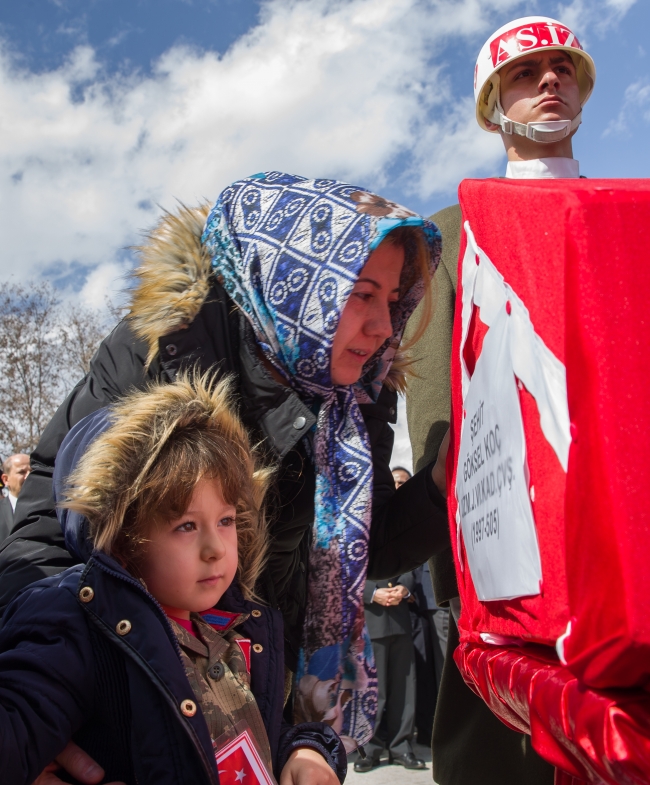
(366, 320)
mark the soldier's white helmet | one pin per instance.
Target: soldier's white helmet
(509, 43)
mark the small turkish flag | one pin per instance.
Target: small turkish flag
(239, 762)
(245, 646)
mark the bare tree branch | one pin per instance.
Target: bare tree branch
(80, 337)
(44, 350)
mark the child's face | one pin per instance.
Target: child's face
(190, 562)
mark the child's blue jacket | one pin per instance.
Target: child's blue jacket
(67, 673)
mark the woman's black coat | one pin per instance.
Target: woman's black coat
(408, 526)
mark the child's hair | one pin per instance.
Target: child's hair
(143, 469)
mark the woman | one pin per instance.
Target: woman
(302, 289)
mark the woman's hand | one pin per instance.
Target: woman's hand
(306, 766)
(76, 762)
(439, 473)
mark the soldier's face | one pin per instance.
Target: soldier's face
(541, 87)
(191, 561)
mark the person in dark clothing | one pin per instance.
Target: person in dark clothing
(389, 626)
(161, 495)
(430, 625)
(15, 471)
(261, 294)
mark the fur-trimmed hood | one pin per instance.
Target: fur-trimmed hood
(110, 463)
(173, 280)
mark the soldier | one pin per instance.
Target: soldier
(531, 80)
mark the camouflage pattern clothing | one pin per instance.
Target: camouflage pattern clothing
(216, 669)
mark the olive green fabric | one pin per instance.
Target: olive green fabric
(428, 395)
(470, 746)
(428, 398)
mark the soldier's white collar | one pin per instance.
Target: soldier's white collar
(543, 169)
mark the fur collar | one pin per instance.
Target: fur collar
(173, 280)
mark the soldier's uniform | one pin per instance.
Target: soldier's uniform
(218, 672)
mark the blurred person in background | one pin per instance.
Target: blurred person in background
(389, 626)
(400, 475)
(15, 471)
(430, 625)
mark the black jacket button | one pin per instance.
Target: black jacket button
(171, 349)
(216, 671)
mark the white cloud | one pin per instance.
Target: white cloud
(636, 105)
(453, 147)
(342, 88)
(104, 282)
(318, 88)
(584, 16)
(620, 6)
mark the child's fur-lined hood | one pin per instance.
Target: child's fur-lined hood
(107, 464)
(173, 281)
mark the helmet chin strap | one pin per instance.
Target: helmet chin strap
(544, 131)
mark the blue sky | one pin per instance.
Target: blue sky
(126, 33)
(113, 108)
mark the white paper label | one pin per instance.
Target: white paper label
(492, 488)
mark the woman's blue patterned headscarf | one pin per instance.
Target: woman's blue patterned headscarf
(288, 251)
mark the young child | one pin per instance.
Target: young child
(161, 497)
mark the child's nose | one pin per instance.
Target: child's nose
(213, 547)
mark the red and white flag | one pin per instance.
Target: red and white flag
(239, 763)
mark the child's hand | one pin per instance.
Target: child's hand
(307, 767)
